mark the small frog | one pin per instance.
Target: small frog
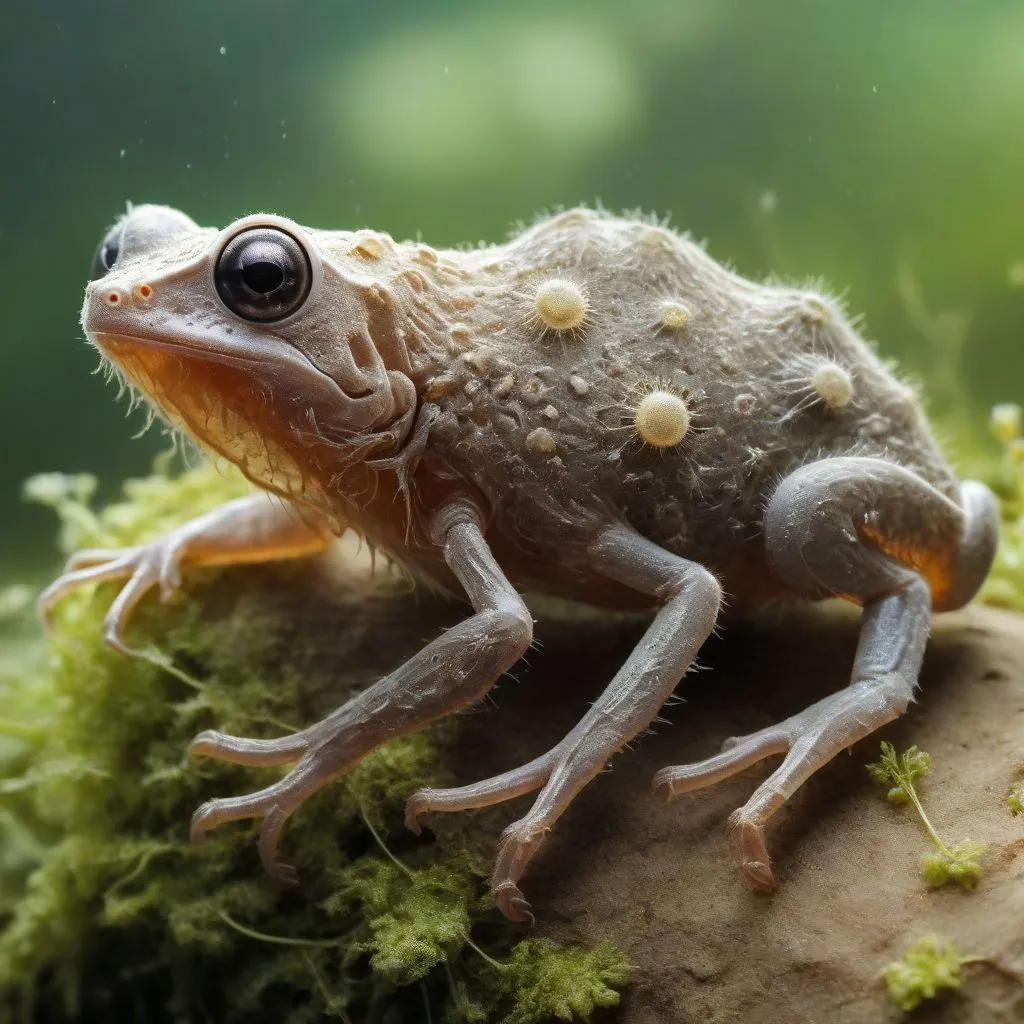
(595, 409)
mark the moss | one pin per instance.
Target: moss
(1005, 585)
(109, 913)
(928, 968)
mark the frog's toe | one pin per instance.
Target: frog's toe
(274, 805)
(519, 842)
(737, 754)
(754, 859)
(283, 873)
(512, 903)
(86, 558)
(90, 567)
(244, 750)
(524, 779)
(416, 809)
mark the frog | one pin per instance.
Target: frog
(595, 409)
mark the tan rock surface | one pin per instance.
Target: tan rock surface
(661, 881)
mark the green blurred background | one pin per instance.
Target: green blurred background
(877, 145)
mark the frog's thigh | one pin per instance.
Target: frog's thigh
(815, 528)
(629, 704)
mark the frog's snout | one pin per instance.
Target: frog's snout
(978, 542)
(109, 300)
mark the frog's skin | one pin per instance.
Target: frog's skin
(480, 416)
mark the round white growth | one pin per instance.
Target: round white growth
(541, 440)
(833, 385)
(662, 419)
(814, 310)
(561, 305)
(673, 315)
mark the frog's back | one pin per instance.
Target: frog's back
(604, 367)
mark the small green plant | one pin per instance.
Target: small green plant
(1005, 585)
(958, 863)
(926, 969)
(1015, 795)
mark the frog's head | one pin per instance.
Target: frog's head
(252, 340)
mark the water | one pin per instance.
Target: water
(873, 145)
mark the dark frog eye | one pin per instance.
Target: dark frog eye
(263, 275)
(107, 253)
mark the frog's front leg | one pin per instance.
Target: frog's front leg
(451, 673)
(258, 528)
(691, 597)
(874, 533)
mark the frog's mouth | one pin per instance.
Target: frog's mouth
(240, 408)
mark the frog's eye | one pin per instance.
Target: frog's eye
(107, 253)
(263, 274)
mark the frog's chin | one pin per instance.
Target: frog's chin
(223, 404)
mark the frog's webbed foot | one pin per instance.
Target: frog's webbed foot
(451, 673)
(691, 597)
(828, 529)
(252, 529)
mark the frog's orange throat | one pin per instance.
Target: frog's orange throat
(289, 440)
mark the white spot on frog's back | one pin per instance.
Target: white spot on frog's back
(661, 419)
(832, 384)
(580, 388)
(561, 305)
(541, 440)
(673, 315)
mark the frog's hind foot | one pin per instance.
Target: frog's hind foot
(808, 742)
(872, 532)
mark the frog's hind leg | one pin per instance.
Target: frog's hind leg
(691, 597)
(874, 533)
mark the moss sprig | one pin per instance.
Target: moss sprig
(958, 863)
(928, 968)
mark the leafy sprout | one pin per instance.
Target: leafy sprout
(958, 863)
(1015, 795)
(926, 969)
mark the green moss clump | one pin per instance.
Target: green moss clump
(108, 913)
(928, 968)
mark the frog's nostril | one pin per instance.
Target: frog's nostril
(113, 297)
(144, 291)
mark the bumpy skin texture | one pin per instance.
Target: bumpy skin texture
(597, 409)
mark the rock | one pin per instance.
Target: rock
(661, 881)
